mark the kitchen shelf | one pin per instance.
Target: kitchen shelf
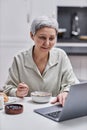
(73, 48)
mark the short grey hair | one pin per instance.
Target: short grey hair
(43, 21)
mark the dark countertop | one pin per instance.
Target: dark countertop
(71, 40)
(73, 48)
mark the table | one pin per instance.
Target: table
(29, 120)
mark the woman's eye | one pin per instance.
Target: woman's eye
(52, 38)
(44, 38)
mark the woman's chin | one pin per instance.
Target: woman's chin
(45, 49)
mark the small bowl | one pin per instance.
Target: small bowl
(13, 109)
(41, 97)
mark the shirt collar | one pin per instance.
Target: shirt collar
(29, 62)
(53, 58)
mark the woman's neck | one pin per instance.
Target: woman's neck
(40, 60)
(39, 55)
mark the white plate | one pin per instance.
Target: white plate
(11, 100)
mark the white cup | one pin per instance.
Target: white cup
(1, 102)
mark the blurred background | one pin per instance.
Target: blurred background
(15, 20)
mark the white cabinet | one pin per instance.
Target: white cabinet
(77, 53)
(14, 20)
(79, 64)
(43, 7)
(72, 2)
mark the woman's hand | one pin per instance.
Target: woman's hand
(60, 98)
(22, 90)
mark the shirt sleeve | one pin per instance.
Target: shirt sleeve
(10, 86)
(68, 76)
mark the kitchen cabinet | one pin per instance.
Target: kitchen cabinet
(72, 3)
(79, 64)
(44, 7)
(16, 17)
(77, 53)
(14, 20)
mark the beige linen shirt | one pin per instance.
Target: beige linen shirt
(57, 76)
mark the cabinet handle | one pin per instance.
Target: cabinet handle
(28, 18)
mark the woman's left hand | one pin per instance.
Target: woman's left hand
(60, 98)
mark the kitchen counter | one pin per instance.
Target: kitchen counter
(81, 39)
(73, 48)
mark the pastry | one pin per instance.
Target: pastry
(5, 96)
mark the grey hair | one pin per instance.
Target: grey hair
(43, 21)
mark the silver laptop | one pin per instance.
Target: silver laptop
(75, 105)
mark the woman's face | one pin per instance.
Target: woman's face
(44, 39)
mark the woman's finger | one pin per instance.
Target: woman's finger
(54, 100)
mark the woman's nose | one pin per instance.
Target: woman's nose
(47, 42)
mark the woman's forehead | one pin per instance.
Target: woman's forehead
(46, 30)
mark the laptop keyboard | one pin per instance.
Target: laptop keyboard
(54, 114)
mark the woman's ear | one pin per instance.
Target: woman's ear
(32, 36)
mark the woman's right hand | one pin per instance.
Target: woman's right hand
(60, 98)
(22, 90)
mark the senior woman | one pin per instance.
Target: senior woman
(42, 67)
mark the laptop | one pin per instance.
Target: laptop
(75, 105)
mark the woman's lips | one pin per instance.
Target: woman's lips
(45, 48)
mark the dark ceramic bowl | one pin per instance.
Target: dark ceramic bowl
(13, 109)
